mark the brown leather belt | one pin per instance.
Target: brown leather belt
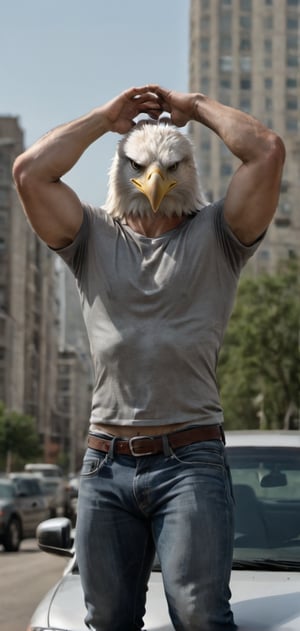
(151, 445)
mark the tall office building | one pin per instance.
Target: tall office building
(28, 353)
(246, 53)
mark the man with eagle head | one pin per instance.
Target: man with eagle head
(157, 269)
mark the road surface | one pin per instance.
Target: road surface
(25, 576)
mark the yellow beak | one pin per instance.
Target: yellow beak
(155, 184)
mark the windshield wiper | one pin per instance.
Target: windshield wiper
(266, 564)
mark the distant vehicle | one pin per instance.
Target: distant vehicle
(22, 507)
(265, 581)
(56, 488)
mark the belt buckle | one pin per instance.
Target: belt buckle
(131, 445)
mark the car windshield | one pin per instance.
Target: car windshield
(6, 491)
(49, 486)
(266, 486)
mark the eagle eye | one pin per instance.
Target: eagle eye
(136, 166)
(173, 167)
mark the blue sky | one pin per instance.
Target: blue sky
(61, 58)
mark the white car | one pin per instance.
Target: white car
(55, 487)
(265, 580)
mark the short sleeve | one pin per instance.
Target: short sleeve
(236, 252)
(74, 255)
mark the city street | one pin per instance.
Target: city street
(25, 576)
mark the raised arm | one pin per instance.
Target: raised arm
(253, 192)
(52, 207)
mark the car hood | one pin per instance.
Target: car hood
(261, 601)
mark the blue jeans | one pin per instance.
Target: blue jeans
(177, 503)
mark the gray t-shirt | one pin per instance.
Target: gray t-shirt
(156, 311)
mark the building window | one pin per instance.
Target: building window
(292, 103)
(225, 63)
(204, 44)
(225, 44)
(205, 24)
(292, 23)
(292, 124)
(225, 22)
(292, 42)
(282, 222)
(245, 44)
(245, 105)
(268, 104)
(225, 82)
(245, 64)
(245, 84)
(292, 61)
(268, 45)
(205, 62)
(245, 22)
(245, 5)
(285, 208)
(268, 123)
(268, 83)
(291, 82)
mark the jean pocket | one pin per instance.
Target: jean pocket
(208, 454)
(91, 465)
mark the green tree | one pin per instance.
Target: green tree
(19, 440)
(259, 366)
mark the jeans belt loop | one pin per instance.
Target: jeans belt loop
(167, 449)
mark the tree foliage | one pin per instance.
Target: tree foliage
(19, 440)
(259, 366)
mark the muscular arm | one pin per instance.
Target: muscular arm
(253, 192)
(54, 209)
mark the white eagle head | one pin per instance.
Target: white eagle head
(154, 171)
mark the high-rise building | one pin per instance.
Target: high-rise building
(246, 53)
(28, 309)
(13, 265)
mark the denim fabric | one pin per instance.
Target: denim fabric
(179, 504)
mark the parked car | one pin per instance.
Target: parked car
(22, 507)
(265, 580)
(56, 487)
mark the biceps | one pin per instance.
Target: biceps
(252, 197)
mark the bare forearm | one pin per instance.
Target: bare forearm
(58, 151)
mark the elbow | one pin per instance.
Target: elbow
(21, 171)
(275, 149)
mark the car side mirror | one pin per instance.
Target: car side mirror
(55, 536)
